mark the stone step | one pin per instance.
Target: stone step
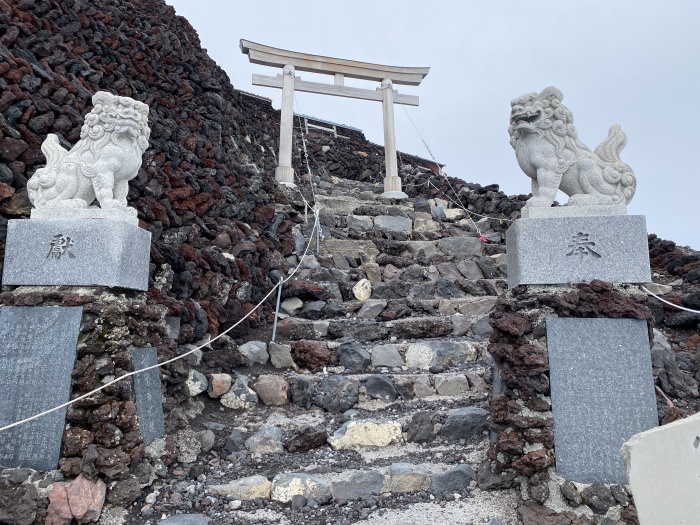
(457, 325)
(381, 435)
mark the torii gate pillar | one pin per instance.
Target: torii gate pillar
(392, 181)
(339, 68)
(284, 173)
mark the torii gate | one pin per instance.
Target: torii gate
(291, 61)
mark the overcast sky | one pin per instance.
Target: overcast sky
(633, 62)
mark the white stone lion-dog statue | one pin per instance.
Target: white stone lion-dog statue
(548, 150)
(100, 166)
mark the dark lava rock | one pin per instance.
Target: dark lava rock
(464, 423)
(338, 394)
(675, 382)
(598, 497)
(124, 491)
(620, 494)
(313, 310)
(692, 300)
(683, 320)
(379, 387)
(301, 392)
(306, 438)
(488, 479)
(421, 427)
(446, 288)
(18, 505)
(352, 356)
(235, 441)
(570, 493)
(456, 479)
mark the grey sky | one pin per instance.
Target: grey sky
(634, 63)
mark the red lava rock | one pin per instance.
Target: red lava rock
(532, 513)
(59, 512)
(511, 323)
(86, 498)
(75, 440)
(11, 148)
(532, 462)
(313, 355)
(6, 191)
(306, 291)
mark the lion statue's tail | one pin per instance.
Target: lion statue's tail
(46, 177)
(617, 172)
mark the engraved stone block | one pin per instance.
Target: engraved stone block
(602, 394)
(573, 249)
(37, 354)
(149, 398)
(97, 252)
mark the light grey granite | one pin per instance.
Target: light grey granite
(549, 151)
(573, 249)
(37, 354)
(53, 214)
(76, 252)
(100, 166)
(148, 394)
(545, 212)
(602, 394)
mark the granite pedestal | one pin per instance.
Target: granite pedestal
(97, 252)
(602, 394)
(37, 355)
(574, 249)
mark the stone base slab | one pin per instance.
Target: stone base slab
(574, 249)
(52, 214)
(545, 212)
(100, 252)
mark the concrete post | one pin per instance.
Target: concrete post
(284, 174)
(392, 182)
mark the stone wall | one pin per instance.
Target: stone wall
(522, 424)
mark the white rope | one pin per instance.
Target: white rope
(670, 303)
(176, 358)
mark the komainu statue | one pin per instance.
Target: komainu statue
(549, 152)
(107, 156)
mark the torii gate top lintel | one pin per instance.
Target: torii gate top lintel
(291, 61)
(275, 57)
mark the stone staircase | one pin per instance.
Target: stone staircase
(374, 394)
